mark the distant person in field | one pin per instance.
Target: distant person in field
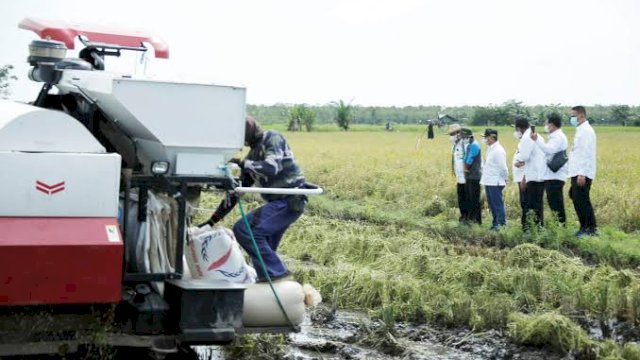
(557, 168)
(430, 130)
(495, 175)
(473, 173)
(458, 167)
(533, 160)
(271, 164)
(582, 170)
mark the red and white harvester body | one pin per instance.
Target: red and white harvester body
(71, 163)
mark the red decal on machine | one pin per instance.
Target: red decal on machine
(49, 189)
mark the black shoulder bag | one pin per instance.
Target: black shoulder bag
(558, 160)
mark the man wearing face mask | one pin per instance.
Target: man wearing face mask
(554, 180)
(457, 163)
(582, 170)
(473, 173)
(494, 177)
(534, 163)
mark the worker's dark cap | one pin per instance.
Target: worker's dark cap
(466, 132)
(490, 132)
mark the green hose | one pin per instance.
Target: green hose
(263, 265)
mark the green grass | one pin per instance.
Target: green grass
(384, 238)
(612, 246)
(394, 171)
(422, 279)
(259, 347)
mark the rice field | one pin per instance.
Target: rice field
(384, 238)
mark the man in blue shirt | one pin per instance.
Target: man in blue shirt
(473, 173)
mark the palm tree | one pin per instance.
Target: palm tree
(343, 114)
(301, 115)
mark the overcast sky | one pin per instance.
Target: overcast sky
(382, 52)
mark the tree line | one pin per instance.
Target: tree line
(303, 116)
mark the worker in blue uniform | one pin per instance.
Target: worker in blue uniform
(271, 164)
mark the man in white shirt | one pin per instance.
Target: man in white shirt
(534, 168)
(517, 169)
(582, 170)
(494, 177)
(554, 180)
(457, 162)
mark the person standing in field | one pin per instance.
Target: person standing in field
(473, 173)
(582, 170)
(457, 162)
(534, 163)
(555, 150)
(495, 175)
(430, 130)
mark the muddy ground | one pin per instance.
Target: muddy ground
(351, 335)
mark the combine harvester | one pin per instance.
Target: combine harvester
(80, 166)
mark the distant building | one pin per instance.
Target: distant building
(447, 119)
(443, 120)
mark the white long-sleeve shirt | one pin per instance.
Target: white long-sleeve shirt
(582, 160)
(495, 171)
(518, 173)
(557, 142)
(534, 160)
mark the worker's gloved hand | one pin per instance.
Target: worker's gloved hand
(214, 219)
(238, 162)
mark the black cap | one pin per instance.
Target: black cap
(466, 132)
(489, 132)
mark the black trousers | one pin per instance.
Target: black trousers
(523, 205)
(555, 198)
(582, 204)
(535, 202)
(462, 202)
(469, 201)
(475, 208)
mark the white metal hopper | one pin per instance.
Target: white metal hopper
(196, 127)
